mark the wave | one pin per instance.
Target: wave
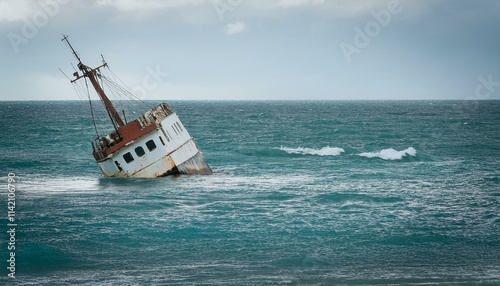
(390, 154)
(325, 151)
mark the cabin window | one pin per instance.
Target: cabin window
(139, 151)
(178, 125)
(161, 140)
(128, 157)
(175, 129)
(151, 145)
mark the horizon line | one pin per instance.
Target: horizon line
(70, 100)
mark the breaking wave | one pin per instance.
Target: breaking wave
(325, 151)
(390, 154)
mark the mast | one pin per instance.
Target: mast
(91, 74)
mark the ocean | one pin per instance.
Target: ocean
(303, 193)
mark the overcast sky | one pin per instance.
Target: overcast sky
(261, 49)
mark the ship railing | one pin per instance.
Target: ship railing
(155, 115)
(96, 151)
(100, 145)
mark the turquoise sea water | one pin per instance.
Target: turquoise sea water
(304, 193)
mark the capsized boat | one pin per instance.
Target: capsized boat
(153, 145)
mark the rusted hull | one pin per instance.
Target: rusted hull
(195, 165)
(165, 166)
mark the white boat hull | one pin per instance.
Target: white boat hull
(173, 151)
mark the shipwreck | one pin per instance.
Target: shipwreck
(155, 144)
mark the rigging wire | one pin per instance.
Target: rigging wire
(119, 99)
(124, 96)
(128, 90)
(77, 93)
(80, 90)
(120, 91)
(118, 104)
(116, 93)
(91, 108)
(106, 108)
(83, 90)
(64, 74)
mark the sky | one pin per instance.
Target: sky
(256, 50)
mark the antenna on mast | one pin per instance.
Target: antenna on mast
(92, 75)
(65, 38)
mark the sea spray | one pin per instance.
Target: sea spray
(390, 154)
(325, 151)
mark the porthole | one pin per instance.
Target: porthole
(139, 151)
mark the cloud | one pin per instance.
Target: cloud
(298, 3)
(16, 10)
(235, 28)
(138, 5)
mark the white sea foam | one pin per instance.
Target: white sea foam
(390, 154)
(43, 185)
(325, 151)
